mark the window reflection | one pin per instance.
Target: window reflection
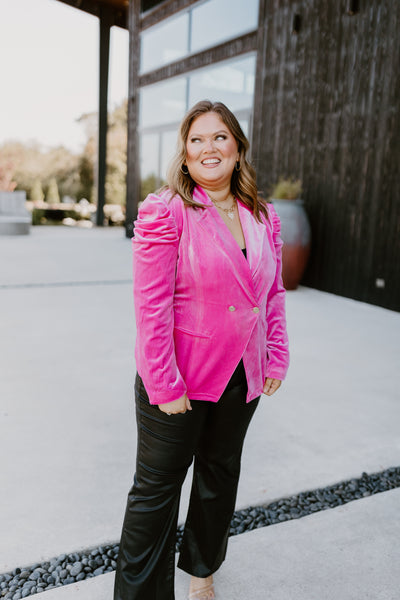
(244, 124)
(164, 43)
(163, 102)
(231, 83)
(149, 164)
(149, 154)
(216, 21)
(207, 24)
(163, 105)
(168, 149)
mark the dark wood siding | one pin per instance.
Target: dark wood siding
(327, 111)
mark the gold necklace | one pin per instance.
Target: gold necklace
(230, 212)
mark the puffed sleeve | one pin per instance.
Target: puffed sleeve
(277, 339)
(155, 251)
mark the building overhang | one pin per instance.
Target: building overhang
(117, 10)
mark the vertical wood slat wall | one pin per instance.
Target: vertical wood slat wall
(327, 110)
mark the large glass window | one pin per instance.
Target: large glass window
(163, 102)
(216, 21)
(149, 163)
(168, 148)
(149, 146)
(204, 25)
(230, 82)
(164, 43)
(163, 105)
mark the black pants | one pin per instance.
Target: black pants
(211, 432)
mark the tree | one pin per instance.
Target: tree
(64, 173)
(36, 194)
(7, 172)
(148, 185)
(117, 139)
(52, 196)
(115, 186)
(86, 170)
(31, 162)
(62, 165)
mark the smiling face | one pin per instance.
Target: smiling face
(211, 152)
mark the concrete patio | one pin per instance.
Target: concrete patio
(67, 430)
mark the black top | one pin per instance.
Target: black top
(244, 252)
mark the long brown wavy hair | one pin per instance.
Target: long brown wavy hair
(243, 181)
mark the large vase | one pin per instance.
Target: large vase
(296, 236)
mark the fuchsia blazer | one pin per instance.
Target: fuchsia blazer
(200, 305)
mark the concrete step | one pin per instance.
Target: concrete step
(14, 225)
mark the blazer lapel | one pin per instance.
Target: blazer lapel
(254, 233)
(212, 223)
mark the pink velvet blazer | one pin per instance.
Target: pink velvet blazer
(200, 305)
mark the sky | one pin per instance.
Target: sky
(49, 71)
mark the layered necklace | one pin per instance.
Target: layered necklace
(230, 212)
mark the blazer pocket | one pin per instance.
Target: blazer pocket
(198, 334)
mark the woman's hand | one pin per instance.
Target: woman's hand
(271, 385)
(176, 406)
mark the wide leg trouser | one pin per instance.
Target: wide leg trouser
(211, 432)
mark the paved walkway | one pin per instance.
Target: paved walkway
(67, 430)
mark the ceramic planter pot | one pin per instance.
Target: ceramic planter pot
(296, 236)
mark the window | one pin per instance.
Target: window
(168, 148)
(149, 164)
(204, 25)
(163, 102)
(164, 43)
(149, 155)
(217, 21)
(230, 82)
(163, 105)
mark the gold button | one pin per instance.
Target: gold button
(231, 308)
(256, 309)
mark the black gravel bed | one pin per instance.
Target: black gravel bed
(71, 568)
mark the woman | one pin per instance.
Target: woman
(211, 337)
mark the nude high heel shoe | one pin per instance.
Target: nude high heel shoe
(205, 592)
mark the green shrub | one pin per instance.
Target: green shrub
(287, 189)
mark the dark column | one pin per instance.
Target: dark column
(105, 25)
(256, 142)
(133, 171)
